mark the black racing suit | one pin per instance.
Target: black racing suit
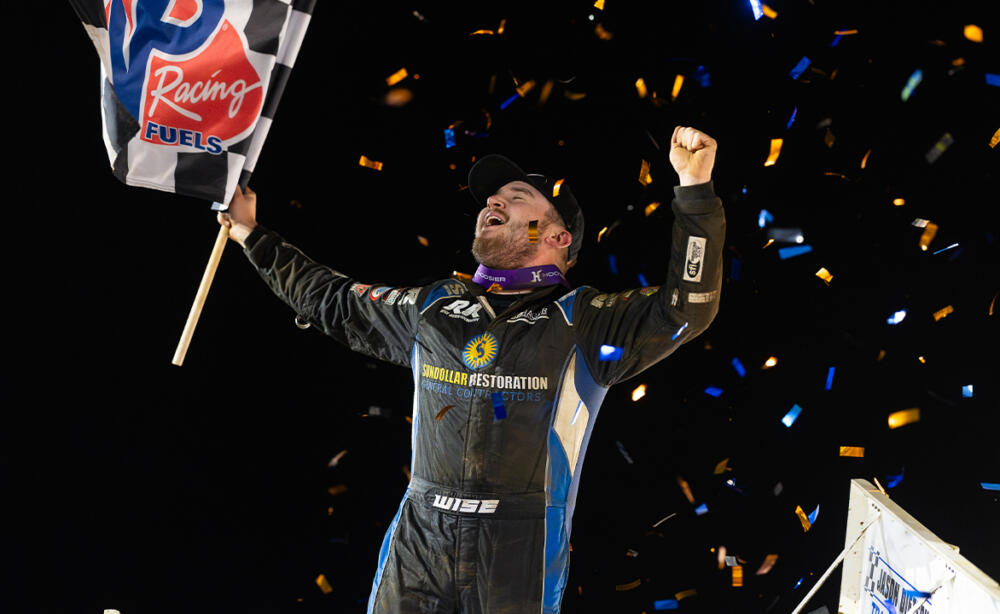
(503, 406)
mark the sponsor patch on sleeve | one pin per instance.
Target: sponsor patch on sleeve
(703, 297)
(694, 261)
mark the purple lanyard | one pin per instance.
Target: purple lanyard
(519, 279)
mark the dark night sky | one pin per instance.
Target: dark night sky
(149, 488)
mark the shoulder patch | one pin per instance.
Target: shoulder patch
(360, 289)
(442, 289)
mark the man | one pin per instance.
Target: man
(509, 372)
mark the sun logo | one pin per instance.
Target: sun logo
(480, 351)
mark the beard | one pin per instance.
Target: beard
(507, 249)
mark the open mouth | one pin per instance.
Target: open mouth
(492, 219)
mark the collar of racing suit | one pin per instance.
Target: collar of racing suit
(519, 279)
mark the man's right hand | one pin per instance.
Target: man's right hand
(241, 218)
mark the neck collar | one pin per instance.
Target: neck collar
(519, 279)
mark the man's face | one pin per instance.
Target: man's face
(502, 227)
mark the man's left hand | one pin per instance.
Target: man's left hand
(692, 154)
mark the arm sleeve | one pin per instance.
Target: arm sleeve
(376, 320)
(648, 324)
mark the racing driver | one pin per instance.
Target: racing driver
(509, 371)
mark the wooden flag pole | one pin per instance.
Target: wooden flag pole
(199, 298)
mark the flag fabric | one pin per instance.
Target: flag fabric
(189, 88)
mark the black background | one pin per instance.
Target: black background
(147, 487)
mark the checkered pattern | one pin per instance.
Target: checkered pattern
(273, 31)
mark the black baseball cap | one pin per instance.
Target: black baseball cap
(493, 171)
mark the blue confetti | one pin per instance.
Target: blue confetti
(813, 515)
(613, 264)
(967, 391)
(944, 249)
(893, 481)
(836, 40)
(915, 594)
(506, 103)
(499, 411)
(800, 67)
(449, 137)
(791, 416)
(992, 79)
(897, 317)
(797, 584)
(702, 76)
(791, 120)
(679, 331)
(735, 269)
(758, 12)
(642, 280)
(739, 367)
(990, 485)
(666, 604)
(701, 509)
(796, 250)
(763, 218)
(829, 378)
(712, 391)
(912, 83)
(610, 352)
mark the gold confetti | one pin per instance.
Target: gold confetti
(461, 276)
(944, 311)
(768, 563)
(958, 62)
(854, 451)
(995, 139)
(769, 12)
(678, 82)
(686, 489)
(974, 33)
(364, 161)
(993, 303)
(899, 202)
(737, 575)
(922, 360)
(323, 584)
(601, 233)
(574, 95)
(640, 87)
(721, 467)
(806, 525)
(770, 362)
(929, 231)
(443, 411)
(336, 459)
(489, 32)
(546, 91)
(880, 486)
(601, 33)
(503, 24)
(396, 77)
(397, 97)
(864, 160)
(337, 490)
(775, 152)
(599, 5)
(904, 417)
(650, 208)
(408, 419)
(687, 593)
(406, 472)
(720, 557)
(644, 177)
(423, 240)
(825, 275)
(829, 139)
(525, 88)
(639, 392)
(881, 355)
(533, 231)
(629, 586)
(494, 288)
(768, 244)
(845, 32)
(556, 186)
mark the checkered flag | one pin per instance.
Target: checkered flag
(190, 87)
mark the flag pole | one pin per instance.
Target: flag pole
(201, 295)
